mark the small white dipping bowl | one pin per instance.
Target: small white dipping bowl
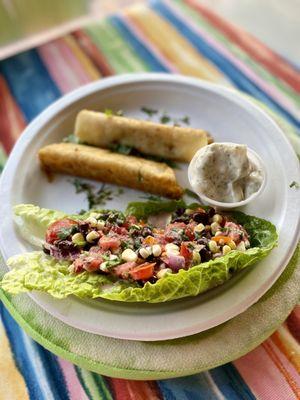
(255, 158)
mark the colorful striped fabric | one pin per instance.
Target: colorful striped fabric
(179, 36)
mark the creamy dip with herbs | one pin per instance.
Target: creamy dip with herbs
(224, 172)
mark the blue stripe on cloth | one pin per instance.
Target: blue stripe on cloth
(42, 374)
(148, 57)
(194, 387)
(230, 383)
(230, 70)
(29, 82)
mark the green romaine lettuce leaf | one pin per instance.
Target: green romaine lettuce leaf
(143, 210)
(36, 271)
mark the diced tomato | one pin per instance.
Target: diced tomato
(120, 230)
(93, 265)
(109, 243)
(123, 269)
(54, 229)
(130, 220)
(78, 265)
(185, 251)
(142, 272)
(189, 232)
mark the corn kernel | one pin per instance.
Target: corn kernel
(156, 250)
(144, 253)
(92, 236)
(129, 255)
(172, 246)
(217, 218)
(163, 272)
(78, 239)
(213, 247)
(100, 224)
(189, 211)
(199, 228)
(226, 250)
(92, 221)
(232, 245)
(215, 227)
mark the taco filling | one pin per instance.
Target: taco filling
(155, 251)
(122, 246)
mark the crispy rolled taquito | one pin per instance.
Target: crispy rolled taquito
(105, 166)
(170, 142)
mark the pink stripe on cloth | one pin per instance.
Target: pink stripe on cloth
(63, 65)
(266, 375)
(76, 391)
(272, 91)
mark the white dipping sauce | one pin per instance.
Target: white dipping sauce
(223, 172)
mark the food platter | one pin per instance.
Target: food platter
(230, 118)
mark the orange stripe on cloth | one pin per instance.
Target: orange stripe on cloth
(11, 117)
(174, 47)
(12, 386)
(288, 345)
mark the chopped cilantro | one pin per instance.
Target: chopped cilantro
(151, 197)
(121, 148)
(64, 233)
(186, 120)
(295, 184)
(149, 111)
(108, 112)
(191, 194)
(71, 139)
(95, 197)
(164, 119)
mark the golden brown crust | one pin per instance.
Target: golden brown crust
(105, 166)
(170, 142)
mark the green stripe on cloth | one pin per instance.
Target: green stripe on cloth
(94, 385)
(239, 53)
(118, 52)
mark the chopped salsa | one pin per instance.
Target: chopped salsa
(111, 243)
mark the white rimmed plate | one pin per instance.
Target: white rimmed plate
(229, 117)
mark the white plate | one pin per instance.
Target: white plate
(229, 117)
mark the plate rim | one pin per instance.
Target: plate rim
(109, 82)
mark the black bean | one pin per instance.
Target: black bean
(203, 240)
(84, 228)
(182, 218)
(200, 217)
(146, 231)
(180, 211)
(205, 254)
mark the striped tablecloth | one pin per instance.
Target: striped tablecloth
(178, 36)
